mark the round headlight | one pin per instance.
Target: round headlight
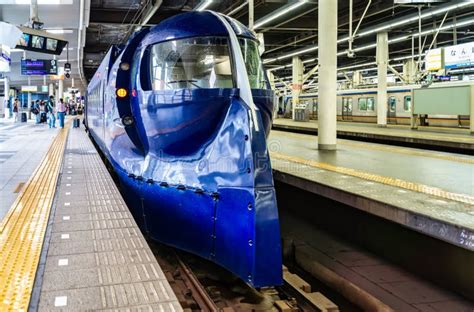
(124, 66)
(127, 120)
(121, 92)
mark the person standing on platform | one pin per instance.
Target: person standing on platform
(15, 111)
(43, 112)
(61, 112)
(36, 111)
(51, 112)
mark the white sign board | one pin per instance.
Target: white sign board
(433, 59)
(461, 55)
(29, 88)
(4, 58)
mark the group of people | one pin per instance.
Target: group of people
(47, 111)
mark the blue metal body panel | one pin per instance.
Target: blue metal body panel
(194, 170)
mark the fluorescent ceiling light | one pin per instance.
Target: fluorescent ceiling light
(59, 31)
(40, 2)
(203, 5)
(273, 16)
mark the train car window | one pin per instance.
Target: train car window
(191, 63)
(370, 104)
(145, 81)
(392, 103)
(362, 104)
(253, 63)
(407, 103)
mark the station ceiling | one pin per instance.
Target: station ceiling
(294, 31)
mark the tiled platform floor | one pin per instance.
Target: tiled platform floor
(22, 146)
(97, 259)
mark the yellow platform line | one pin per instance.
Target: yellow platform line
(416, 187)
(392, 149)
(23, 229)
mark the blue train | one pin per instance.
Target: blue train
(182, 112)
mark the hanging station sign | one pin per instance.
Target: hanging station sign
(459, 56)
(40, 41)
(39, 67)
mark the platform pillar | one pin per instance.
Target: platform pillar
(382, 61)
(7, 98)
(51, 89)
(471, 117)
(327, 58)
(60, 90)
(297, 84)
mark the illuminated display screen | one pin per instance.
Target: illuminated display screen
(24, 40)
(40, 41)
(51, 44)
(37, 42)
(39, 67)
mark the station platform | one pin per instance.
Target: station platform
(426, 191)
(69, 242)
(415, 207)
(452, 139)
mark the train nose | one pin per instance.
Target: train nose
(180, 122)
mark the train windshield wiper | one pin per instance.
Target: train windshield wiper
(188, 81)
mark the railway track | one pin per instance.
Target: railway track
(203, 286)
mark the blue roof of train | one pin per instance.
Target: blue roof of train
(193, 24)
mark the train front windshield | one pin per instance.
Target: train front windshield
(202, 62)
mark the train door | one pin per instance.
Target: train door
(392, 110)
(346, 108)
(315, 109)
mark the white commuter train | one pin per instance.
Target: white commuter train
(360, 105)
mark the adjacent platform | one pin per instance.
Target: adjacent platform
(454, 139)
(430, 192)
(89, 254)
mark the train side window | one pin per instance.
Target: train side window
(363, 104)
(253, 64)
(370, 104)
(392, 103)
(349, 104)
(407, 103)
(192, 63)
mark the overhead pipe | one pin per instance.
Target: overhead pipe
(34, 11)
(237, 9)
(437, 32)
(150, 14)
(350, 53)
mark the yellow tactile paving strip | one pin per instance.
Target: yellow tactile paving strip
(391, 149)
(421, 188)
(23, 228)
